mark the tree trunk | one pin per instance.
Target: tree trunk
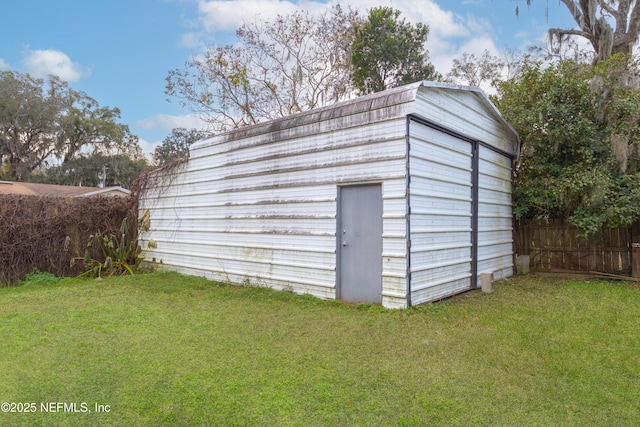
(14, 169)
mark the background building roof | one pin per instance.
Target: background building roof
(33, 189)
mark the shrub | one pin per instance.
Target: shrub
(34, 231)
(110, 254)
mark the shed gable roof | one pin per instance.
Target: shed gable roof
(391, 103)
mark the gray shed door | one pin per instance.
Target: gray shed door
(360, 243)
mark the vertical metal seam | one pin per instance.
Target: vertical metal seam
(475, 207)
(408, 208)
(338, 247)
(514, 254)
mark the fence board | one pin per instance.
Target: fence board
(555, 245)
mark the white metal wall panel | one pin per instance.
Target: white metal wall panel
(394, 238)
(495, 213)
(440, 219)
(262, 208)
(467, 112)
(260, 203)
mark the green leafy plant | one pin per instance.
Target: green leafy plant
(389, 51)
(37, 277)
(111, 255)
(580, 132)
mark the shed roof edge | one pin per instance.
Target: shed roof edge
(394, 96)
(485, 99)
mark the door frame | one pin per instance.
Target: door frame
(339, 188)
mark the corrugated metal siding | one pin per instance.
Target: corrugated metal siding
(495, 215)
(263, 209)
(259, 204)
(467, 112)
(441, 207)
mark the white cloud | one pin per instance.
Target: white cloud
(450, 34)
(3, 65)
(441, 23)
(41, 63)
(168, 122)
(191, 41)
(148, 147)
(228, 15)
(446, 29)
(446, 53)
(479, 45)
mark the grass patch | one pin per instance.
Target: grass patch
(164, 349)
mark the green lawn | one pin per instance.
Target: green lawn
(167, 350)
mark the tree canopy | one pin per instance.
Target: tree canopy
(45, 122)
(580, 134)
(610, 26)
(474, 70)
(176, 145)
(389, 52)
(95, 170)
(301, 61)
(280, 67)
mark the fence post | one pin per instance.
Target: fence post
(635, 250)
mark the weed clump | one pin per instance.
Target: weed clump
(39, 278)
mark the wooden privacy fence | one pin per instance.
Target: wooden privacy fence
(554, 245)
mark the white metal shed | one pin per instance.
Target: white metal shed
(399, 198)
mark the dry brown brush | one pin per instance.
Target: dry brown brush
(46, 233)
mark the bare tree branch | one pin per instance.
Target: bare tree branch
(290, 64)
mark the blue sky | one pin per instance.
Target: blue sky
(120, 51)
